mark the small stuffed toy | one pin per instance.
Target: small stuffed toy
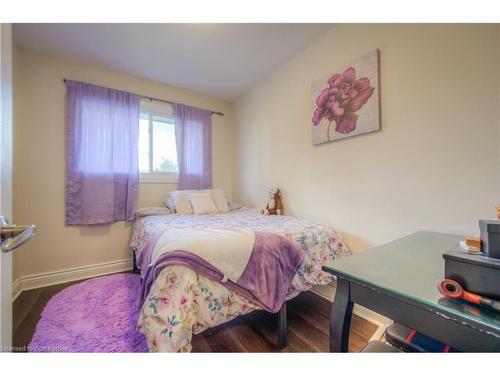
(273, 206)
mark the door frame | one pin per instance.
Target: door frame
(6, 119)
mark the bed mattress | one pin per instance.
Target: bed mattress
(182, 302)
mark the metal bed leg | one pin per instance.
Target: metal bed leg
(282, 326)
(135, 268)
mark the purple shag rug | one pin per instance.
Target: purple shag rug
(97, 315)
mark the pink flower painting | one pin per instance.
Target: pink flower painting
(338, 102)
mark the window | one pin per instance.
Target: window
(157, 148)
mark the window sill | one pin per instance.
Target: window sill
(158, 178)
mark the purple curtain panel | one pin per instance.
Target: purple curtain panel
(102, 154)
(193, 135)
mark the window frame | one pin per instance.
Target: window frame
(155, 177)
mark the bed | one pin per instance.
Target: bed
(182, 302)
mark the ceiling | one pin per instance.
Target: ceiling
(219, 60)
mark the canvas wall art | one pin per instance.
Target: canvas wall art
(346, 103)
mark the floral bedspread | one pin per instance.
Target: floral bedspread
(182, 302)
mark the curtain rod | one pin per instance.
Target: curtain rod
(163, 101)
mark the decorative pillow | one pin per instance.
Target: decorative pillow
(220, 200)
(169, 203)
(203, 203)
(235, 206)
(149, 211)
(182, 202)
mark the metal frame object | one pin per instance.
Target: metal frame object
(282, 327)
(13, 236)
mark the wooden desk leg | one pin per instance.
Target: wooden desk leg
(340, 318)
(282, 340)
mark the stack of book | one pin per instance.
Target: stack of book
(471, 245)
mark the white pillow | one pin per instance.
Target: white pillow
(149, 211)
(182, 202)
(217, 195)
(220, 200)
(235, 206)
(203, 203)
(169, 203)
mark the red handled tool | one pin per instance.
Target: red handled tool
(452, 289)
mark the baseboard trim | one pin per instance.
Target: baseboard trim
(70, 274)
(382, 322)
(16, 289)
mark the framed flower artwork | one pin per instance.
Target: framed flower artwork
(346, 103)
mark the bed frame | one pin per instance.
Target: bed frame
(282, 321)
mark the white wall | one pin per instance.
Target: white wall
(39, 162)
(433, 166)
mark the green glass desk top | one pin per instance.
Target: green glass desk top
(412, 267)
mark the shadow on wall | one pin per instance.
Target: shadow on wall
(356, 243)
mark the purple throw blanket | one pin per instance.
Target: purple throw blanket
(265, 281)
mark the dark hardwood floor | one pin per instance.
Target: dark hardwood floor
(308, 320)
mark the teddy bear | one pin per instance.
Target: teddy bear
(274, 205)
